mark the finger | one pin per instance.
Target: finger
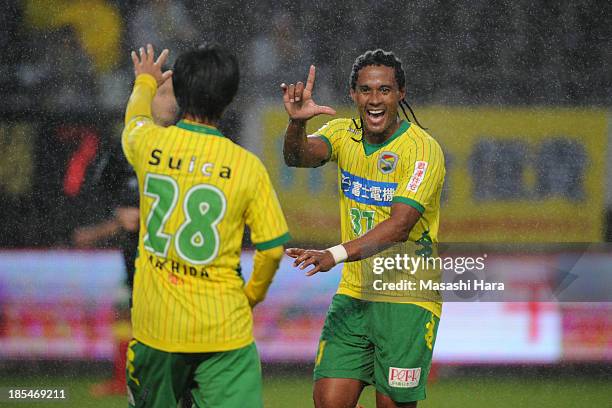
(311, 78)
(161, 60)
(314, 270)
(309, 261)
(299, 89)
(285, 89)
(165, 76)
(292, 95)
(135, 59)
(291, 92)
(325, 110)
(301, 259)
(150, 53)
(294, 252)
(298, 261)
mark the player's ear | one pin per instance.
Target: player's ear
(352, 93)
(402, 93)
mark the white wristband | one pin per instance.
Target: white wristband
(339, 253)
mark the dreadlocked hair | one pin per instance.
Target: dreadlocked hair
(403, 103)
(388, 59)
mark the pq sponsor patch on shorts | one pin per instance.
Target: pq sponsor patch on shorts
(418, 175)
(404, 377)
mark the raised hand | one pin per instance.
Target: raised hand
(145, 63)
(322, 261)
(298, 99)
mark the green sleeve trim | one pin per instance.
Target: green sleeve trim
(262, 246)
(329, 145)
(414, 204)
(199, 127)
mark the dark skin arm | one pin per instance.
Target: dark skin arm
(300, 150)
(391, 231)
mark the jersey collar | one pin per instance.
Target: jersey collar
(371, 148)
(198, 127)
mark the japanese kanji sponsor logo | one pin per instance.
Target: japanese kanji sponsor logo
(418, 175)
(387, 161)
(367, 191)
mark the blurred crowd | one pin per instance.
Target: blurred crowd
(73, 55)
(65, 74)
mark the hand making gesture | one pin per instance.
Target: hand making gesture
(322, 261)
(146, 64)
(298, 99)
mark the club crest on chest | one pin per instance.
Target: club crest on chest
(387, 162)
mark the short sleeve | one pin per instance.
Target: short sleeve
(332, 133)
(138, 116)
(132, 134)
(424, 178)
(264, 215)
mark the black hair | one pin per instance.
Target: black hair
(388, 59)
(205, 81)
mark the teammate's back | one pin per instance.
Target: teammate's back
(191, 164)
(191, 313)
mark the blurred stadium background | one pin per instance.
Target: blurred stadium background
(517, 92)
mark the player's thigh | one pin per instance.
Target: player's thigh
(384, 401)
(345, 350)
(337, 392)
(155, 378)
(404, 337)
(229, 379)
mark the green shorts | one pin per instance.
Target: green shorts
(223, 379)
(388, 345)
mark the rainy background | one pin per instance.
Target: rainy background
(518, 93)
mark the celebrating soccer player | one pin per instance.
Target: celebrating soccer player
(191, 314)
(390, 178)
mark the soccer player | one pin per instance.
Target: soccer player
(191, 313)
(390, 179)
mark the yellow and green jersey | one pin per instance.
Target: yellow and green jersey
(407, 168)
(198, 189)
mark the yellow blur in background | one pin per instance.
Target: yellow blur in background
(96, 23)
(513, 175)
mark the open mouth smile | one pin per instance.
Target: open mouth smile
(375, 113)
(375, 117)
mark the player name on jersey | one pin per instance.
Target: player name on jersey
(176, 268)
(207, 169)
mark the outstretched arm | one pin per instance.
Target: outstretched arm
(300, 150)
(391, 231)
(138, 112)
